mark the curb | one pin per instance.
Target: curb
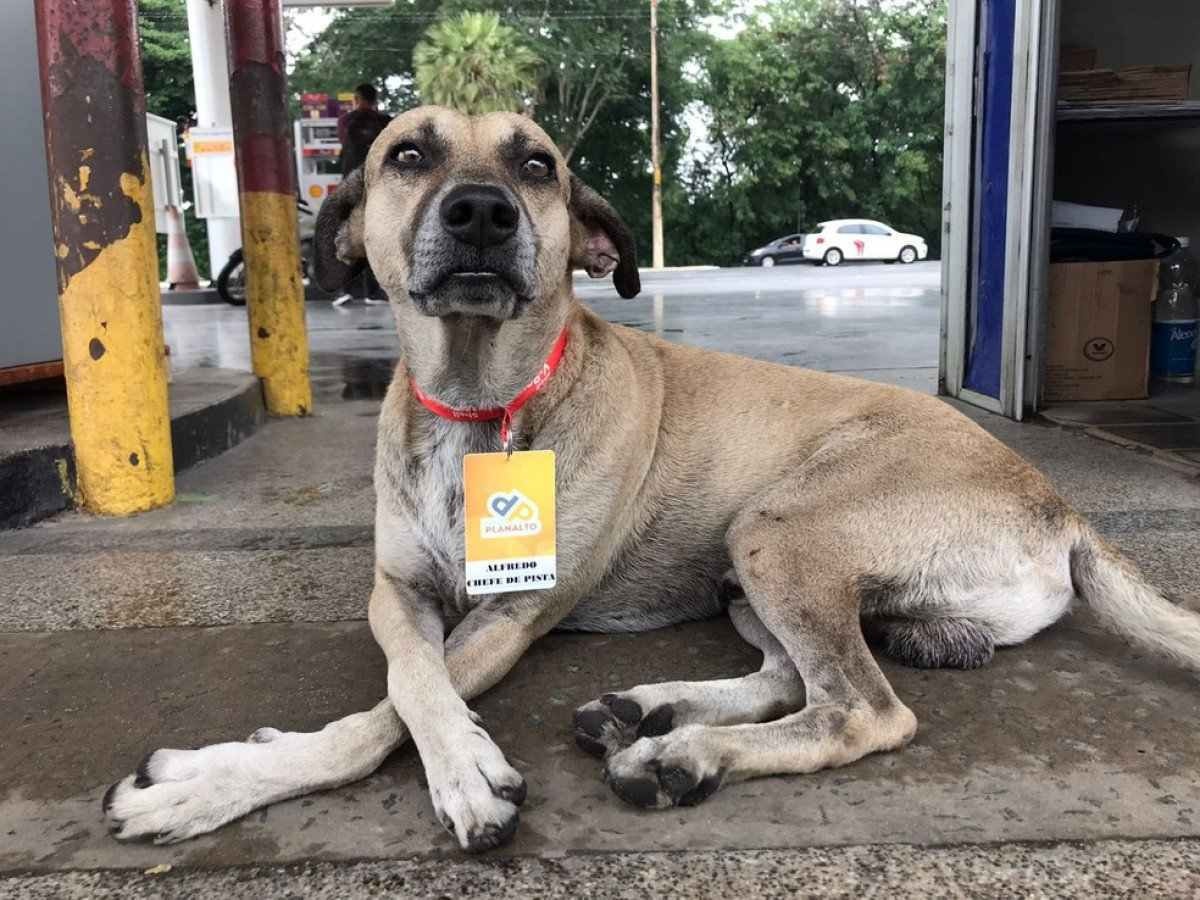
(211, 430)
(35, 484)
(205, 296)
(646, 270)
(210, 297)
(40, 482)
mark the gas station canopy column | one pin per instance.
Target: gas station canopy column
(267, 185)
(104, 246)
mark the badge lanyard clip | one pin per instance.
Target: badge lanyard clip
(506, 442)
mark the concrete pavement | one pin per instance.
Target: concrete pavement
(892, 871)
(257, 581)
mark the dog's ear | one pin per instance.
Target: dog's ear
(600, 241)
(338, 251)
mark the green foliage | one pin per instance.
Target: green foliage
(474, 64)
(593, 96)
(596, 55)
(373, 45)
(166, 59)
(818, 109)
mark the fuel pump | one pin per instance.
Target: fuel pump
(317, 151)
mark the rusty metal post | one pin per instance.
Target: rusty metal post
(267, 182)
(103, 216)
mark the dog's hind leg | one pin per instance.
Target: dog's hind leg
(178, 794)
(617, 720)
(810, 604)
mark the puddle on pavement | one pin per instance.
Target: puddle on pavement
(338, 377)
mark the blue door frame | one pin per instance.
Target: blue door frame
(1000, 116)
(986, 322)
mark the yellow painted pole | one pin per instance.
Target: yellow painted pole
(103, 218)
(267, 182)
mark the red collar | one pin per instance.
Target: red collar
(503, 413)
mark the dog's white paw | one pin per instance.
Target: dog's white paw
(178, 794)
(475, 792)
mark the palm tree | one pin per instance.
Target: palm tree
(474, 64)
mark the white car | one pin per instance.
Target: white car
(842, 239)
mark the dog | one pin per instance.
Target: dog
(833, 511)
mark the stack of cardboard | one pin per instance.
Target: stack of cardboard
(1080, 80)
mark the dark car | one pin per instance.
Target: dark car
(787, 249)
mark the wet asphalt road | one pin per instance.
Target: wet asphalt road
(877, 320)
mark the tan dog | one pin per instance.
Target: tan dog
(809, 506)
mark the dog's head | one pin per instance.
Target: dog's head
(470, 216)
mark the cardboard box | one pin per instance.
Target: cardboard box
(1132, 84)
(1098, 333)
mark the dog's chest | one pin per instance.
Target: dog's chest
(429, 489)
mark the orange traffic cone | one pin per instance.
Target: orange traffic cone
(181, 265)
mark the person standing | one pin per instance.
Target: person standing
(357, 130)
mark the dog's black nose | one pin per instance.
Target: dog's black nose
(479, 214)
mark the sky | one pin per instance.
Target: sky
(303, 24)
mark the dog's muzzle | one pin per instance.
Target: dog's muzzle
(473, 255)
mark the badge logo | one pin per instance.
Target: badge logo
(513, 515)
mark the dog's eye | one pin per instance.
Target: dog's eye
(538, 166)
(407, 154)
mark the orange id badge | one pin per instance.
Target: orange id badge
(509, 505)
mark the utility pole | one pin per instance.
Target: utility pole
(210, 77)
(656, 203)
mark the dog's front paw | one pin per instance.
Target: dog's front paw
(178, 794)
(476, 793)
(615, 721)
(658, 773)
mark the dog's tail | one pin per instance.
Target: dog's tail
(1112, 586)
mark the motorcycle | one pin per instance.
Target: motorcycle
(231, 282)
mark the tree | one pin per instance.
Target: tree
(474, 64)
(817, 109)
(372, 45)
(594, 94)
(596, 57)
(166, 59)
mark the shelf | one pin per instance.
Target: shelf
(1184, 111)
